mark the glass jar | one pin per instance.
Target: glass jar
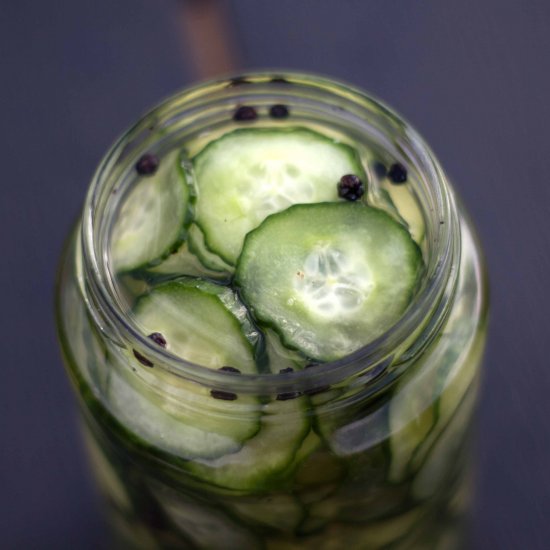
(372, 450)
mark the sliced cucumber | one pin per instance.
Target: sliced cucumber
(412, 415)
(186, 432)
(249, 174)
(205, 525)
(202, 323)
(317, 466)
(278, 357)
(329, 277)
(106, 475)
(264, 461)
(427, 396)
(181, 263)
(445, 452)
(359, 435)
(278, 511)
(207, 258)
(151, 222)
(384, 533)
(358, 504)
(420, 412)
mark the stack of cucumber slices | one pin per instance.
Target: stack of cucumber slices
(256, 249)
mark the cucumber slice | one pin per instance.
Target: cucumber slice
(329, 277)
(151, 222)
(445, 452)
(384, 533)
(264, 461)
(412, 416)
(106, 476)
(183, 262)
(249, 174)
(202, 322)
(278, 512)
(358, 504)
(186, 432)
(278, 357)
(318, 467)
(427, 396)
(210, 260)
(204, 525)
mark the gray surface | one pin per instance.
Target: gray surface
(472, 76)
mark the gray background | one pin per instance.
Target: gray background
(471, 75)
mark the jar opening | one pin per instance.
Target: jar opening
(203, 112)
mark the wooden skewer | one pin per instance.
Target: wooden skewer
(207, 37)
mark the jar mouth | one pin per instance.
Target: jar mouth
(416, 326)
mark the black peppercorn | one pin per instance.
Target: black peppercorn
(380, 170)
(158, 338)
(245, 113)
(397, 173)
(223, 395)
(315, 391)
(279, 80)
(350, 187)
(278, 111)
(285, 371)
(147, 164)
(143, 360)
(238, 81)
(227, 368)
(285, 396)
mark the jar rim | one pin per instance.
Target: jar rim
(439, 277)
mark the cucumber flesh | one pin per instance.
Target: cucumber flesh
(264, 460)
(151, 222)
(427, 396)
(202, 323)
(412, 415)
(107, 477)
(421, 408)
(183, 262)
(440, 462)
(280, 512)
(278, 357)
(208, 258)
(205, 525)
(328, 277)
(186, 433)
(248, 174)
